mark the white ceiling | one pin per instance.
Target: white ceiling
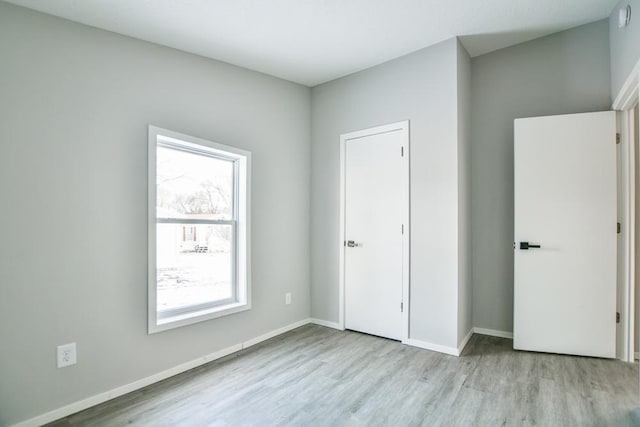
(314, 41)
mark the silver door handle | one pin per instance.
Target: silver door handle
(352, 244)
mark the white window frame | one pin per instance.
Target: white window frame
(241, 299)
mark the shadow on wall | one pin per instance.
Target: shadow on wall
(479, 44)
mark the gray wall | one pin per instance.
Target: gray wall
(624, 44)
(567, 72)
(420, 87)
(74, 110)
(465, 291)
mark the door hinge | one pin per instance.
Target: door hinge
(617, 138)
(401, 307)
(402, 228)
(618, 227)
(401, 151)
(617, 317)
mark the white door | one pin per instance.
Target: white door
(376, 203)
(565, 202)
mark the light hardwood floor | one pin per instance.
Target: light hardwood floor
(315, 376)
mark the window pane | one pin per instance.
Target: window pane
(193, 186)
(194, 264)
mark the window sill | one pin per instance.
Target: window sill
(196, 316)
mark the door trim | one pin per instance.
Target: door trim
(624, 103)
(626, 259)
(627, 213)
(403, 127)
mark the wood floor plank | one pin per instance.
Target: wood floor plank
(316, 376)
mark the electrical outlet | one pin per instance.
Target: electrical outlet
(66, 355)
(287, 298)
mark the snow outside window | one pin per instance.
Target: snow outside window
(198, 229)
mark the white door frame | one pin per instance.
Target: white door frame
(624, 104)
(404, 128)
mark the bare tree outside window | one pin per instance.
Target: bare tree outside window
(194, 261)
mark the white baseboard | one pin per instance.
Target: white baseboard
(457, 351)
(80, 405)
(280, 331)
(493, 333)
(433, 347)
(326, 323)
(440, 348)
(464, 342)
(412, 342)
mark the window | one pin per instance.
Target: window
(198, 230)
